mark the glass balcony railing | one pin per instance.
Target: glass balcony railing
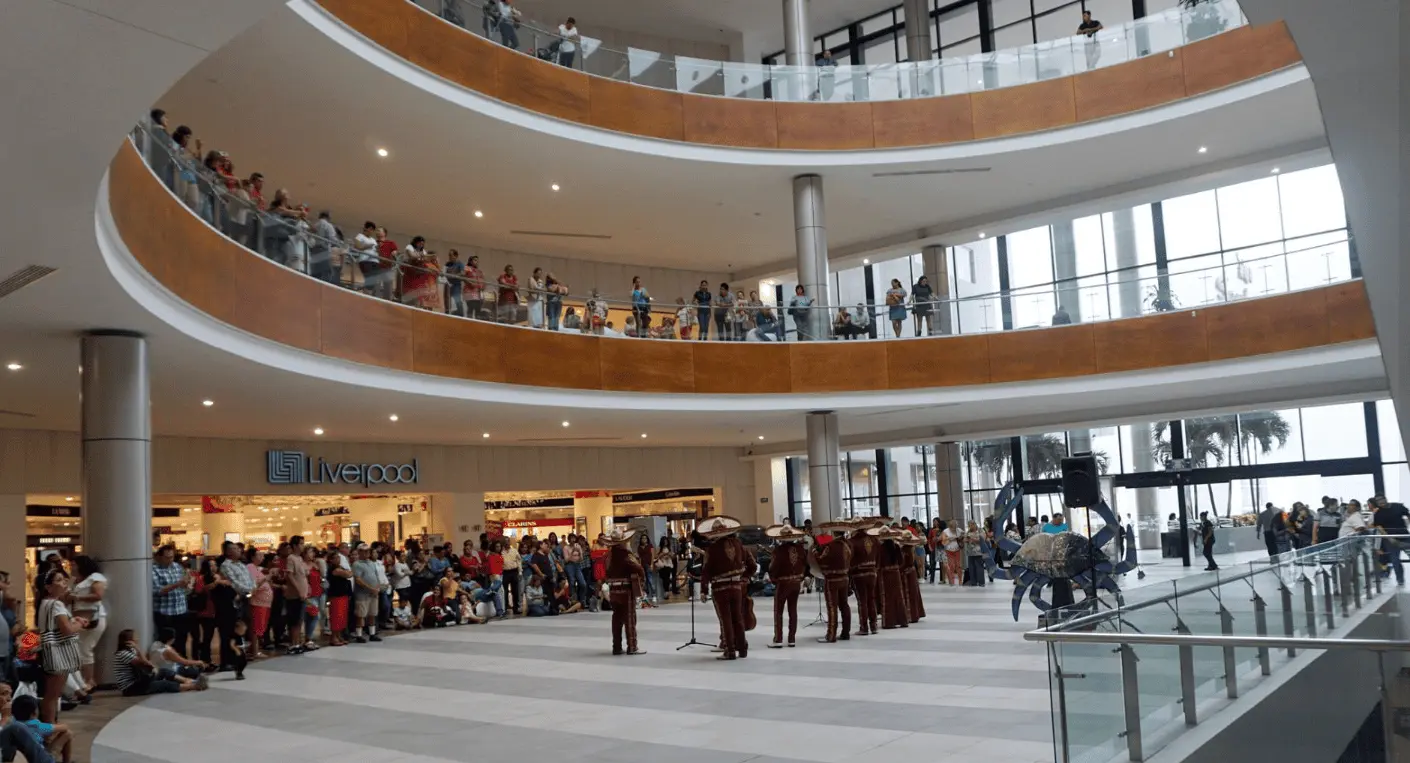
(1046, 60)
(1129, 674)
(296, 239)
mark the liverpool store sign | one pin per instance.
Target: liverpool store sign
(292, 467)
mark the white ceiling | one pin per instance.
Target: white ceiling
(316, 133)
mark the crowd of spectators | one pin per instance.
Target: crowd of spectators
(372, 262)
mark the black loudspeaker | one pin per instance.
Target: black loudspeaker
(1080, 488)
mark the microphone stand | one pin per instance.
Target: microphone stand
(693, 640)
(821, 618)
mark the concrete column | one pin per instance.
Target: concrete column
(595, 508)
(116, 433)
(810, 230)
(949, 478)
(1069, 298)
(937, 269)
(12, 543)
(456, 516)
(918, 45)
(824, 466)
(1129, 298)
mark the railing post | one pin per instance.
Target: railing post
(1310, 604)
(1373, 577)
(1287, 615)
(1260, 625)
(1328, 604)
(1355, 581)
(1343, 581)
(1064, 749)
(1231, 677)
(1187, 676)
(1131, 695)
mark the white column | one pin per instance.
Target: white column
(810, 234)
(918, 45)
(116, 433)
(824, 467)
(770, 491)
(215, 526)
(12, 542)
(797, 33)
(458, 517)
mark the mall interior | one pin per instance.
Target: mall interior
(426, 271)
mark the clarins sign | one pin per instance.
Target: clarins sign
(292, 467)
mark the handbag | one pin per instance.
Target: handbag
(58, 654)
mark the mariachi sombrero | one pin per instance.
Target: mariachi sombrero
(785, 533)
(867, 523)
(619, 535)
(837, 527)
(715, 528)
(909, 537)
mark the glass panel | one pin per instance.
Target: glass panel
(1191, 225)
(1311, 201)
(1392, 449)
(1014, 35)
(1095, 711)
(1192, 280)
(1002, 12)
(1270, 437)
(1334, 431)
(1249, 213)
(959, 24)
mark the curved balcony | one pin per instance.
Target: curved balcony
(1149, 63)
(234, 285)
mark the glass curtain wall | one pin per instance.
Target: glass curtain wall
(1276, 234)
(972, 26)
(1239, 462)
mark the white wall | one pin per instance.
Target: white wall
(49, 462)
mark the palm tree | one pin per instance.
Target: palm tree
(1211, 440)
(1045, 455)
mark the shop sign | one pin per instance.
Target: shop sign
(663, 495)
(35, 510)
(494, 528)
(563, 502)
(332, 511)
(293, 467)
(51, 540)
(405, 508)
(520, 524)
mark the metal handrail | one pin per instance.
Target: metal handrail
(1250, 642)
(1315, 550)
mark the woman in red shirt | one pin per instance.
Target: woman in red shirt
(507, 301)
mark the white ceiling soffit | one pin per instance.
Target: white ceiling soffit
(446, 160)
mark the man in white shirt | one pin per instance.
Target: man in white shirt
(568, 42)
(364, 251)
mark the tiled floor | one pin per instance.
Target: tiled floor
(961, 685)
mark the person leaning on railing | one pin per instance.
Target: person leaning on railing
(922, 305)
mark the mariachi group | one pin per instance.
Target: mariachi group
(861, 556)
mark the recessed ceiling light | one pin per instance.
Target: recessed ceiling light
(382, 152)
(393, 417)
(643, 435)
(318, 430)
(486, 435)
(478, 213)
(1204, 149)
(761, 437)
(207, 403)
(1276, 170)
(981, 234)
(554, 186)
(17, 366)
(68, 498)
(866, 262)
(565, 423)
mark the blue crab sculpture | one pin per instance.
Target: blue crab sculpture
(1042, 557)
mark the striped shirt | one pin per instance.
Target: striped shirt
(126, 673)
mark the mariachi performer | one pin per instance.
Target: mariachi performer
(787, 568)
(624, 582)
(910, 576)
(893, 600)
(725, 578)
(865, 549)
(833, 557)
